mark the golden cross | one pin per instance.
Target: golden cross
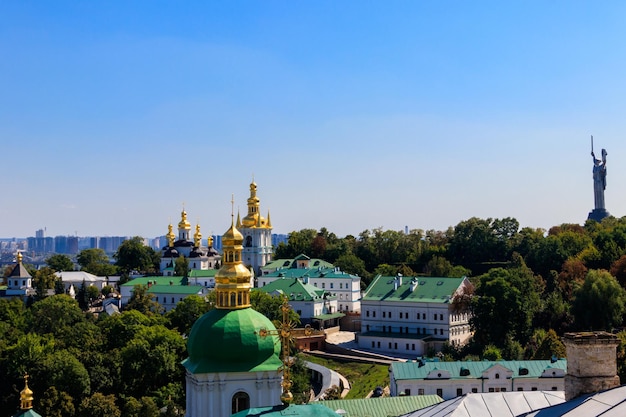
(287, 333)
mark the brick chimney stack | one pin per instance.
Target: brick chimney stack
(591, 363)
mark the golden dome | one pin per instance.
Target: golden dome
(26, 396)
(232, 281)
(253, 218)
(184, 223)
(197, 237)
(170, 235)
(19, 257)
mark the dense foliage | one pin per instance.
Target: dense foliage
(527, 281)
(531, 286)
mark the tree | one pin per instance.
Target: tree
(600, 303)
(95, 261)
(54, 403)
(352, 264)
(99, 405)
(60, 262)
(144, 407)
(52, 314)
(504, 304)
(270, 306)
(151, 360)
(181, 266)
(544, 345)
(186, 312)
(44, 279)
(133, 255)
(618, 270)
(142, 301)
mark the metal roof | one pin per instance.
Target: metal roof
(609, 403)
(492, 404)
(382, 406)
(413, 289)
(474, 369)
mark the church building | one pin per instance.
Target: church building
(199, 257)
(231, 367)
(257, 234)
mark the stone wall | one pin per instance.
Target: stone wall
(591, 363)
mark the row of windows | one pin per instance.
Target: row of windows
(405, 330)
(164, 300)
(459, 391)
(404, 315)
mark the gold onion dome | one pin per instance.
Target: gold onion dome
(26, 396)
(253, 218)
(197, 237)
(184, 223)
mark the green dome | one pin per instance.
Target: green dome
(227, 341)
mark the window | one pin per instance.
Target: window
(389, 345)
(367, 328)
(240, 402)
(420, 391)
(172, 300)
(367, 313)
(459, 392)
(407, 346)
(520, 389)
(332, 285)
(492, 390)
(440, 392)
(497, 376)
(378, 344)
(474, 390)
(533, 389)
(553, 388)
(441, 317)
(373, 314)
(323, 285)
(407, 392)
(340, 285)
(383, 314)
(372, 342)
(395, 346)
(413, 346)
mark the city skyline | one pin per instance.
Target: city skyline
(349, 116)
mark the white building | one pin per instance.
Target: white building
(411, 316)
(199, 257)
(311, 303)
(318, 273)
(453, 379)
(257, 234)
(19, 281)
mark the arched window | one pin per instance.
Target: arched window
(241, 401)
(233, 299)
(248, 241)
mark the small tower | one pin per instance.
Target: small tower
(19, 281)
(591, 363)
(26, 402)
(184, 227)
(257, 232)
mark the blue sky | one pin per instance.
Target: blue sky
(350, 115)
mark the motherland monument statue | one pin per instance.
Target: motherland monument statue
(599, 185)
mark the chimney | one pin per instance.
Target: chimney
(414, 284)
(399, 276)
(591, 363)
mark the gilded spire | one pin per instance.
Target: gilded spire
(26, 396)
(253, 218)
(170, 235)
(232, 280)
(238, 220)
(197, 237)
(269, 222)
(184, 223)
(19, 257)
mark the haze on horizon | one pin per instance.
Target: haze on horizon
(348, 115)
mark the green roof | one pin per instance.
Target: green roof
(228, 341)
(383, 406)
(331, 272)
(293, 264)
(329, 316)
(202, 273)
(425, 289)
(175, 289)
(473, 369)
(27, 413)
(295, 289)
(155, 280)
(304, 410)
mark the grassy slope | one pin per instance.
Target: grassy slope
(363, 377)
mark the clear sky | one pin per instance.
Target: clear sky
(350, 115)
